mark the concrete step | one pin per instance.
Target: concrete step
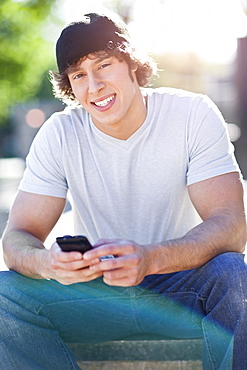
(141, 365)
(140, 354)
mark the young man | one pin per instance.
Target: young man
(153, 182)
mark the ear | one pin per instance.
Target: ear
(134, 67)
(132, 71)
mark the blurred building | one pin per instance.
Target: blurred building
(241, 85)
(26, 120)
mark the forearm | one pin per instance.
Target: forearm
(27, 255)
(24, 253)
(218, 234)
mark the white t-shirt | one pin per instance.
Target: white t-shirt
(134, 189)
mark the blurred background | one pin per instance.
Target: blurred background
(199, 46)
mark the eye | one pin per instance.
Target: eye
(78, 76)
(105, 65)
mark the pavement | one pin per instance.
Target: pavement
(11, 171)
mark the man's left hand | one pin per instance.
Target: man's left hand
(128, 268)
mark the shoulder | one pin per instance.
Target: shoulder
(179, 100)
(60, 130)
(64, 122)
(173, 93)
(70, 115)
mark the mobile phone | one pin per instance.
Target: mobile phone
(77, 243)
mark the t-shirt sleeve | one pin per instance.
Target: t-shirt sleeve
(209, 148)
(44, 172)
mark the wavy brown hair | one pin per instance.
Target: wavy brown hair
(144, 64)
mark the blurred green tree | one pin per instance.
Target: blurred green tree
(25, 54)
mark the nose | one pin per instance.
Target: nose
(94, 84)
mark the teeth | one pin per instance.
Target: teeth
(104, 102)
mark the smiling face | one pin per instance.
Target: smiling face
(107, 88)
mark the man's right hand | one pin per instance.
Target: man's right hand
(68, 267)
(31, 220)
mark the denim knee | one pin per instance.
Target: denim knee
(224, 279)
(228, 264)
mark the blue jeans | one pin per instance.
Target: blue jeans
(38, 317)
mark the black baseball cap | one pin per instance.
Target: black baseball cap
(92, 33)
